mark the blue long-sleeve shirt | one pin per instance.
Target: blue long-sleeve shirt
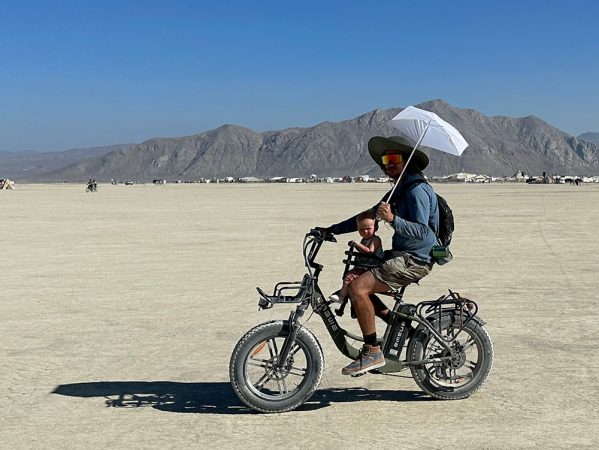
(416, 218)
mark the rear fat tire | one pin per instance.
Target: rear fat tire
(252, 397)
(416, 351)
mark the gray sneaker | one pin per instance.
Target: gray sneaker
(371, 357)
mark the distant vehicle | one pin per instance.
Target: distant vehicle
(128, 183)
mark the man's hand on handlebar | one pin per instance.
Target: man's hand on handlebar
(325, 233)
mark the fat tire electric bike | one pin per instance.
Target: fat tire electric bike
(277, 365)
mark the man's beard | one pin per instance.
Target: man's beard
(396, 176)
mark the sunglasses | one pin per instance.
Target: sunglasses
(391, 159)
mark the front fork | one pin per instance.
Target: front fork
(294, 325)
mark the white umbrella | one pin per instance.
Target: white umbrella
(428, 129)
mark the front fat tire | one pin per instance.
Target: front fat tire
(416, 351)
(253, 338)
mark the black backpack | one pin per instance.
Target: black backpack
(446, 225)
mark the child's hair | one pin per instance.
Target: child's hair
(368, 214)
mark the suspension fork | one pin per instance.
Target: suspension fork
(294, 326)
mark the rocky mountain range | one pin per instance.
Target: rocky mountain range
(31, 165)
(590, 137)
(499, 146)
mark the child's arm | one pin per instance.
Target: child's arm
(374, 245)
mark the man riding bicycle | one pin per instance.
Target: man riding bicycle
(413, 214)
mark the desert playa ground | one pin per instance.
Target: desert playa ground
(119, 311)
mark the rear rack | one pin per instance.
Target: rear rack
(452, 302)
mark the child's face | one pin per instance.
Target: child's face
(366, 228)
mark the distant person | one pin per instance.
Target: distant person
(413, 213)
(369, 245)
(92, 186)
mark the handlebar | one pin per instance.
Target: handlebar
(314, 240)
(321, 234)
(312, 243)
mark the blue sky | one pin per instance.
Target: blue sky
(84, 73)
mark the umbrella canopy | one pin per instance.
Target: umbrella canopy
(428, 129)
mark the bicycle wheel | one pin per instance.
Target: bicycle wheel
(266, 388)
(461, 376)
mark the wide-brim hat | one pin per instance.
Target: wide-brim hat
(379, 145)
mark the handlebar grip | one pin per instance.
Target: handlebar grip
(322, 233)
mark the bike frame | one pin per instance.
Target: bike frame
(426, 314)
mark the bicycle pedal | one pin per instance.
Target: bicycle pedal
(356, 375)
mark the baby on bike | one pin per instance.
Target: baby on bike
(369, 245)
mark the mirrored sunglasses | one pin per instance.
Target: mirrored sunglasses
(391, 159)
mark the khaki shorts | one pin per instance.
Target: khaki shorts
(400, 270)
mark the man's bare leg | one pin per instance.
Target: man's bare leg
(380, 309)
(371, 357)
(359, 293)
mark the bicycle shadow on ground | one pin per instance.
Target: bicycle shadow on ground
(212, 397)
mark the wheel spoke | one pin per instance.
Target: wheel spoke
(296, 348)
(469, 343)
(272, 348)
(262, 381)
(264, 363)
(435, 348)
(282, 385)
(433, 370)
(470, 365)
(297, 371)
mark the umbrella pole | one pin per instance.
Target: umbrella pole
(407, 162)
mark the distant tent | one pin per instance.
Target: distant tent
(277, 180)
(250, 180)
